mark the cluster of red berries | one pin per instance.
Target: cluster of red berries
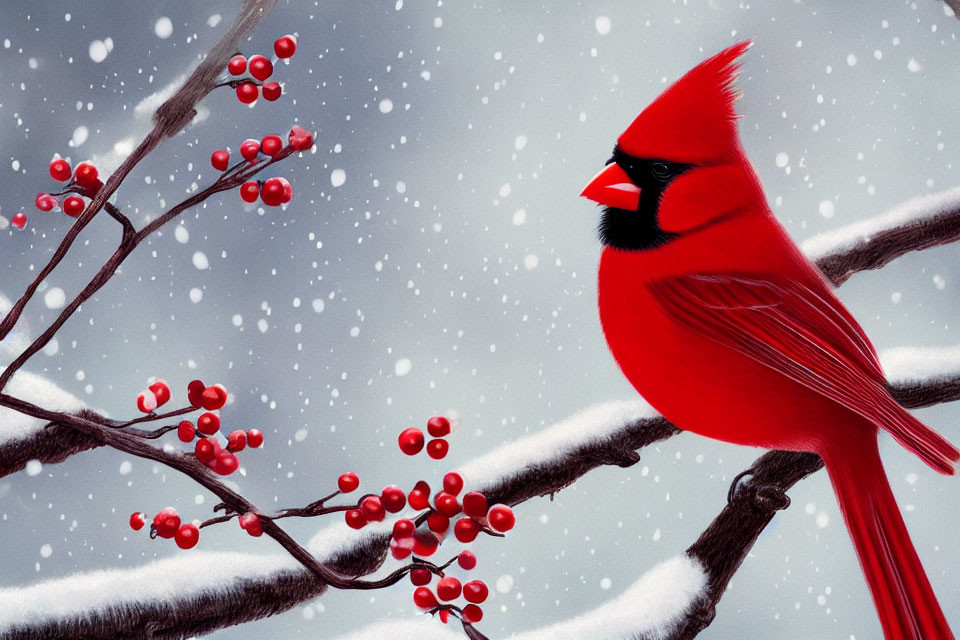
(208, 449)
(449, 588)
(411, 440)
(166, 524)
(407, 538)
(221, 460)
(272, 191)
(83, 180)
(261, 68)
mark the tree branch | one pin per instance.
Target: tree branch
(170, 118)
(512, 480)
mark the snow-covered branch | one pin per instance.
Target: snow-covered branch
(920, 223)
(549, 461)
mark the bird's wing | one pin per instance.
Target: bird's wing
(805, 335)
(787, 326)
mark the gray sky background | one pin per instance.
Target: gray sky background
(458, 242)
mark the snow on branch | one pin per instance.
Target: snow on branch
(920, 223)
(24, 438)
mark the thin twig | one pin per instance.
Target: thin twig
(170, 118)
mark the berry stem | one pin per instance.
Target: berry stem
(152, 435)
(233, 84)
(151, 417)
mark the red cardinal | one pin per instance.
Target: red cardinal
(722, 324)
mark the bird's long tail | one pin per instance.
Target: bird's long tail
(906, 605)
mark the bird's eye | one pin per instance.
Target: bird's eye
(660, 169)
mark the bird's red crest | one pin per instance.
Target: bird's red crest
(693, 120)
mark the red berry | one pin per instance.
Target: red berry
(254, 438)
(146, 401)
(220, 159)
(437, 449)
(237, 440)
(237, 65)
(166, 523)
(272, 192)
(475, 504)
(206, 450)
(271, 145)
(225, 463)
(299, 138)
(466, 530)
(444, 615)
(19, 220)
(401, 549)
(425, 543)
(348, 482)
(250, 191)
(137, 520)
(161, 390)
(420, 577)
(438, 426)
(452, 483)
(446, 504)
(208, 423)
(419, 496)
(247, 92)
(467, 560)
(419, 500)
(501, 518)
(472, 613)
(448, 588)
(355, 518)
(285, 46)
(60, 170)
(403, 528)
(438, 523)
(213, 398)
(45, 201)
(424, 598)
(372, 509)
(475, 591)
(187, 536)
(185, 431)
(411, 441)
(249, 149)
(85, 174)
(260, 67)
(250, 522)
(73, 206)
(272, 91)
(393, 498)
(194, 393)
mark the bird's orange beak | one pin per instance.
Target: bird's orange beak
(612, 187)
